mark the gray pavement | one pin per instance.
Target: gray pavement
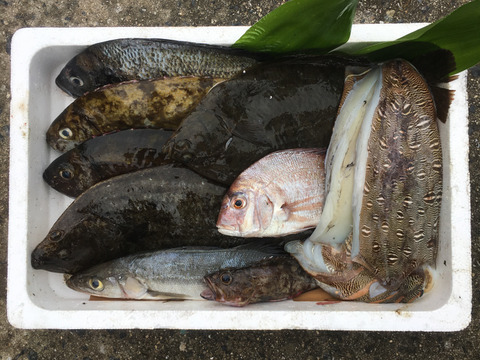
(175, 344)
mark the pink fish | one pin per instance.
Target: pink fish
(281, 194)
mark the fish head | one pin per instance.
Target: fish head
(71, 245)
(105, 280)
(70, 128)
(245, 212)
(70, 173)
(83, 73)
(230, 286)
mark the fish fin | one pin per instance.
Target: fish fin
(134, 289)
(435, 66)
(252, 130)
(166, 295)
(443, 98)
(284, 212)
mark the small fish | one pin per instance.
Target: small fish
(160, 103)
(284, 104)
(173, 274)
(275, 279)
(280, 194)
(121, 60)
(104, 157)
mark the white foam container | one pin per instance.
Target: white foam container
(39, 299)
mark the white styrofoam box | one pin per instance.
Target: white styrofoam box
(39, 299)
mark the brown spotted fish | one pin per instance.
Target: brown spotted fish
(280, 194)
(384, 189)
(274, 279)
(160, 103)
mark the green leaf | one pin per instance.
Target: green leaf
(301, 25)
(458, 32)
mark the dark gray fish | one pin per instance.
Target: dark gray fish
(290, 103)
(274, 279)
(104, 157)
(139, 59)
(166, 274)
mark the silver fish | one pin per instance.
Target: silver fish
(174, 274)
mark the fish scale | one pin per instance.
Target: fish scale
(139, 59)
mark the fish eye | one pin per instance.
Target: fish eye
(95, 284)
(66, 174)
(239, 203)
(65, 133)
(76, 81)
(226, 278)
(55, 235)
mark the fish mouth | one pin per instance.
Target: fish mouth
(228, 230)
(208, 294)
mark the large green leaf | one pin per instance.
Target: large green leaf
(301, 25)
(458, 32)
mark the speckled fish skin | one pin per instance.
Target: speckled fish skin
(278, 105)
(280, 194)
(173, 274)
(275, 279)
(140, 59)
(161, 103)
(104, 157)
(400, 211)
(349, 281)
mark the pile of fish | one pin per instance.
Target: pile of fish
(193, 165)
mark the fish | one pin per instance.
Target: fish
(278, 195)
(150, 209)
(171, 274)
(383, 187)
(158, 103)
(121, 60)
(104, 157)
(275, 105)
(274, 279)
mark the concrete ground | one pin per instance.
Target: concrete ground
(174, 344)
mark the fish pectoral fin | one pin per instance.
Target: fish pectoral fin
(284, 212)
(165, 295)
(134, 289)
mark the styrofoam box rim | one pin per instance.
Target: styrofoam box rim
(26, 309)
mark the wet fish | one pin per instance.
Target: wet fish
(140, 59)
(275, 279)
(175, 274)
(160, 103)
(151, 209)
(384, 188)
(104, 157)
(286, 104)
(280, 194)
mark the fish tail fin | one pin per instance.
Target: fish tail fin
(436, 67)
